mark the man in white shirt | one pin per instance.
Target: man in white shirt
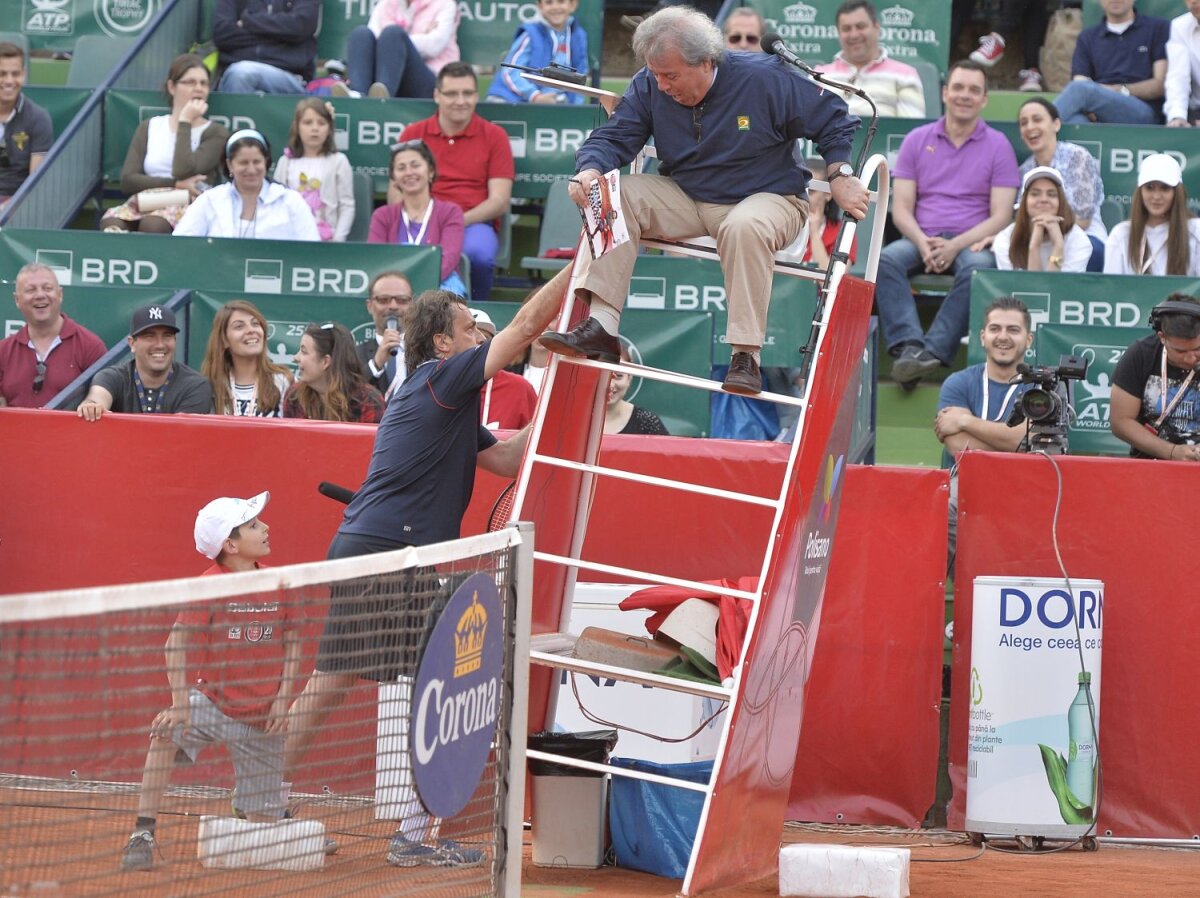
(1182, 105)
(895, 86)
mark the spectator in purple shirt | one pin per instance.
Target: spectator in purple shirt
(955, 181)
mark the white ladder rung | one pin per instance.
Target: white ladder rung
(671, 377)
(629, 675)
(651, 480)
(626, 772)
(633, 574)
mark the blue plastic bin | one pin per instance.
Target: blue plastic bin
(653, 826)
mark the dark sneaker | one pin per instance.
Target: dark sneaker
(587, 340)
(744, 376)
(913, 364)
(139, 852)
(452, 854)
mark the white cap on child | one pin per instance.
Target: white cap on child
(216, 519)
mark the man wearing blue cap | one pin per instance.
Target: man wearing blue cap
(153, 382)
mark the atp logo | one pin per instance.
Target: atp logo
(833, 479)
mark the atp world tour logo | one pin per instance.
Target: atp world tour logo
(48, 17)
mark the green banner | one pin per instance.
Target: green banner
(105, 311)
(61, 102)
(1102, 347)
(247, 267)
(1093, 14)
(912, 29)
(56, 24)
(485, 27)
(543, 138)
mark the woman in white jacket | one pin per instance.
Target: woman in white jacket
(1160, 236)
(249, 205)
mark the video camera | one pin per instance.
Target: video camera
(1046, 407)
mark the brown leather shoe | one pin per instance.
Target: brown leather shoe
(743, 376)
(587, 340)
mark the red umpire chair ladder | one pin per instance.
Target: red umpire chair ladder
(745, 799)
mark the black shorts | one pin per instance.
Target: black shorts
(378, 626)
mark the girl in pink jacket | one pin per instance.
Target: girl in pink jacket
(400, 50)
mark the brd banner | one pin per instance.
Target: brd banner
(1034, 716)
(911, 29)
(56, 24)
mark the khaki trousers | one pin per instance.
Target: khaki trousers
(748, 235)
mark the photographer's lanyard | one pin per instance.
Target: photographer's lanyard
(1003, 405)
(1162, 398)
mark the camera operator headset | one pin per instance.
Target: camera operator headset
(1155, 405)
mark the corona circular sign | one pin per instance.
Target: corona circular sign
(456, 699)
(125, 18)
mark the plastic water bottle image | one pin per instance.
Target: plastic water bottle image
(1081, 760)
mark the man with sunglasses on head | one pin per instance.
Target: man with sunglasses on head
(50, 350)
(382, 355)
(743, 29)
(26, 131)
(894, 86)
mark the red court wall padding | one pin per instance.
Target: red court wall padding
(1130, 523)
(114, 502)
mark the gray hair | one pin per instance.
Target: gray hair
(682, 29)
(31, 267)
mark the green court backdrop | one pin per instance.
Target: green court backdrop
(105, 311)
(543, 138)
(61, 102)
(912, 29)
(1093, 315)
(56, 24)
(250, 267)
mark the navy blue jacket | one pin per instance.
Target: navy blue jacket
(282, 33)
(738, 141)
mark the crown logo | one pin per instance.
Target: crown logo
(468, 638)
(897, 17)
(800, 14)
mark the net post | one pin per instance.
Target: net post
(510, 883)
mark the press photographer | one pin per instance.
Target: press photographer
(1154, 398)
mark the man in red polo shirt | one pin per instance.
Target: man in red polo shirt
(50, 351)
(474, 167)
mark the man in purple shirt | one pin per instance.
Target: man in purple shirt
(50, 350)
(954, 185)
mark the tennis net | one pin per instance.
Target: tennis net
(397, 752)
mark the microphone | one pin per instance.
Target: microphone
(392, 324)
(774, 44)
(335, 492)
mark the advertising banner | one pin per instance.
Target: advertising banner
(1102, 348)
(259, 267)
(56, 24)
(62, 103)
(1034, 714)
(543, 138)
(911, 29)
(485, 27)
(105, 311)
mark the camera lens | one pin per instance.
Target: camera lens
(1039, 405)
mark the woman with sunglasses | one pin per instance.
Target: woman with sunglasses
(250, 205)
(329, 379)
(179, 151)
(417, 218)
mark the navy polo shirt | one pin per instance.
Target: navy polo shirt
(1110, 58)
(29, 131)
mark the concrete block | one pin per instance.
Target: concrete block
(838, 871)
(230, 843)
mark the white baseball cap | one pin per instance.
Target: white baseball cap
(1159, 167)
(483, 321)
(216, 519)
(1034, 174)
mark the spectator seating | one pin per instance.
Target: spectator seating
(560, 219)
(96, 55)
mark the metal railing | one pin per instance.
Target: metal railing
(73, 168)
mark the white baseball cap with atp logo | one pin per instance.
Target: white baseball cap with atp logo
(216, 520)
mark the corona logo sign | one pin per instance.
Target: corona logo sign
(468, 639)
(456, 697)
(800, 14)
(896, 17)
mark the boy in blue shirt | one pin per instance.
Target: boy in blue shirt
(553, 37)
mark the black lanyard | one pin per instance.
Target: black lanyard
(157, 400)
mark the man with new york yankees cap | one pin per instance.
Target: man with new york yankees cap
(152, 382)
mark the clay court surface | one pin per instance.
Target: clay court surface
(89, 835)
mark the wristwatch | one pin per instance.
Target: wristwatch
(845, 170)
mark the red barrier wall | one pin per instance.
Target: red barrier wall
(114, 502)
(1130, 524)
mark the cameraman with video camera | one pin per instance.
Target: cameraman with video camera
(1155, 407)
